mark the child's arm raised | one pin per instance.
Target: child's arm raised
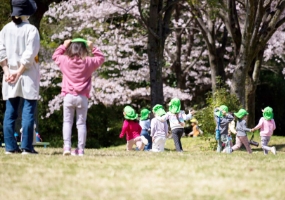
(57, 55)
(98, 58)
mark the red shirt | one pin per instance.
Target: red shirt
(132, 129)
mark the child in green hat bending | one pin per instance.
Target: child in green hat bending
(222, 118)
(145, 124)
(241, 129)
(267, 126)
(132, 130)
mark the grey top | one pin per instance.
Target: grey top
(224, 122)
(158, 128)
(241, 128)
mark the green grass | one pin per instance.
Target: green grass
(113, 173)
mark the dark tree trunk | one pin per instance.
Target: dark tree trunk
(158, 30)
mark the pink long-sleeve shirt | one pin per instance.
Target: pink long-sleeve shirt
(77, 72)
(132, 129)
(266, 127)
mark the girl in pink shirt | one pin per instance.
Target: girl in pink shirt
(132, 129)
(267, 126)
(77, 68)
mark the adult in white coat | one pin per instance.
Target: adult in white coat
(19, 47)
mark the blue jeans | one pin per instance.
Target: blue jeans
(147, 136)
(223, 139)
(11, 114)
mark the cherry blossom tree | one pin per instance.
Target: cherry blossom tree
(115, 27)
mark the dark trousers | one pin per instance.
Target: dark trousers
(176, 135)
(147, 136)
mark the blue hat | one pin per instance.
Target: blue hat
(23, 7)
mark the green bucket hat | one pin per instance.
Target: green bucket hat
(174, 105)
(144, 114)
(130, 113)
(268, 113)
(80, 40)
(158, 110)
(241, 113)
(222, 108)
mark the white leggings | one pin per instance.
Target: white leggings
(71, 104)
(158, 144)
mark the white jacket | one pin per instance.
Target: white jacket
(20, 44)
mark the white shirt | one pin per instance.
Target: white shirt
(20, 44)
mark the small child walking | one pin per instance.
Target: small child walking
(222, 118)
(159, 129)
(267, 126)
(176, 119)
(132, 130)
(241, 137)
(77, 68)
(145, 124)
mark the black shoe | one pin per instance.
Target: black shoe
(26, 152)
(13, 152)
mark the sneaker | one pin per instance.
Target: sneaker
(66, 151)
(13, 152)
(27, 152)
(273, 150)
(144, 140)
(77, 152)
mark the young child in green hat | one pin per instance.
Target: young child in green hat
(222, 118)
(159, 129)
(241, 129)
(267, 126)
(145, 124)
(132, 130)
(176, 119)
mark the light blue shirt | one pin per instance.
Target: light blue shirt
(145, 124)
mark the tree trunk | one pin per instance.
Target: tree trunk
(155, 52)
(250, 100)
(158, 30)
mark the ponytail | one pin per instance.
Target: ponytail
(17, 20)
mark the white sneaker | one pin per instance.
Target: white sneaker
(66, 151)
(144, 140)
(273, 150)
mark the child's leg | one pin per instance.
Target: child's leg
(238, 144)
(161, 143)
(139, 143)
(264, 142)
(245, 142)
(81, 115)
(130, 144)
(176, 135)
(68, 115)
(219, 145)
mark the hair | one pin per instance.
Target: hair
(76, 49)
(17, 20)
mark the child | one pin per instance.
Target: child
(241, 137)
(267, 126)
(145, 124)
(77, 68)
(222, 119)
(159, 129)
(195, 129)
(132, 129)
(176, 119)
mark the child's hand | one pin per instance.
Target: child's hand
(90, 44)
(193, 112)
(66, 43)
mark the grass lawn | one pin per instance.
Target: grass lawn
(113, 173)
